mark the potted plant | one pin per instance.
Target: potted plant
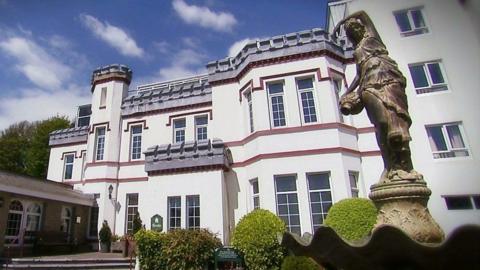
(105, 236)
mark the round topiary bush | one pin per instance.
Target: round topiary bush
(255, 236)
(352, 218)
(299, 262)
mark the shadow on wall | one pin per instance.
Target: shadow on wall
(233, 188)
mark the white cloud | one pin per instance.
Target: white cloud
(35, 63)
(162, 46)
(59, 42)
(36, 104)
(203, 16)
(238, 46)
(113, 36)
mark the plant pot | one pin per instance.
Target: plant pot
(118, 246)
(104, 247)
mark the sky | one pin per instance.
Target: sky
(49, 48)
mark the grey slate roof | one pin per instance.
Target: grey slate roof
(191, 155)
(278, 46)
(69, 135)
(168, 95)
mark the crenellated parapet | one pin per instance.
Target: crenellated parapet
(187, 156)
(74, 135)
(113, 72)
(283, 47)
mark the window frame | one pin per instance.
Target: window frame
(188, 206)
(432, 87)
(67, 165)
(255, 199)
(135, 211)
(99, 136)
(133, 149)
(450, 152)
(471, 198)
(270, 103)
(314, 99)
(321, 202)
(249, 98)
(277, 204)
(198, 126)
(175, 129)
(354, 189)
(92, 230)
(414, 31)
(103, 98)
(177, 218)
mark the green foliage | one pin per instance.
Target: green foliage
(137, 223)
(177, 249)
(255, 236)
(105, 234)
(299, 263)
(352, 218)
(24, 146)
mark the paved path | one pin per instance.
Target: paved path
(85, 255)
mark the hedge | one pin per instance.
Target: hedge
(299, 262)
(178, 249)
(352, 218)
(255, 236)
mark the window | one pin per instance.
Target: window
(179, 130)
(132, 209)
(174, 213)
(100, 143)
(287, 202)
(136, 142)
(248, 97)
(464, 202)
(34, 212)
(428, 77)
(277, 110)
(337, 88)
(411, 22)
(353, 177)
(446, 140)
(14, 220)
(193, 212)
(320, 197)
(93, 219)
(66, 219)
(83, 115)
(255, 194)
(305, 90)
(103, 98)
(201, 123)
(68, 166)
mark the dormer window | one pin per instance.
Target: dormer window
(83, 115)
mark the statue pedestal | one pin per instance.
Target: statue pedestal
(403, 204)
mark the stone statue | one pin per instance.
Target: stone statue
(381, 91)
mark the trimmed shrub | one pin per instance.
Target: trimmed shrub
(105, 234)
(176, 250)
(300, 262)
(255, 236)
(137, 223)
(150, 246)
(352, 218)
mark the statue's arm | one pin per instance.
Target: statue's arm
(366, 21)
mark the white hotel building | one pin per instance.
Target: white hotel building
(262, 129)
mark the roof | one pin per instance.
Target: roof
(69, 136)
(193, 155)
(43, 189)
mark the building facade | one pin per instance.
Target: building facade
(262, 130)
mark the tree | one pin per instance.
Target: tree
(24, 146)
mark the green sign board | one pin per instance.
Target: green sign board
(227, 254)
(156, 223)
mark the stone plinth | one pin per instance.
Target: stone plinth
(403, 204)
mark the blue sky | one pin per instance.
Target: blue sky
(49, 48)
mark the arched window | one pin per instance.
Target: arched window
(14, 220)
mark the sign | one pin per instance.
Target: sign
(156, 223)
(227, 254)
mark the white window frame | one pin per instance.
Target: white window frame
(432, 87)
(474, 206)
(337, 89)
(177, 218)
(175, 129)
(66, 163)
(188, 206)
(255, 196)
(135, 211)
(66, 219)
(451, 151)
(103, 98)
(270, 96)
(93, 234)
(136, 152)
(198, 126)
(84, 116)
(355, 191)
(321, 202)
(414, 30)
(100, 155)
(277, 193)
(314, 99)
(249, 98)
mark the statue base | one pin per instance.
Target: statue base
(403, 204)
